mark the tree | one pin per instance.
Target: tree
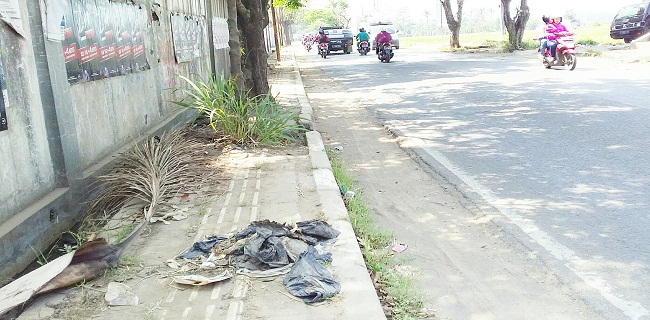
(251, 19)
(454, 23)
(235, 46)
(517, 25)
(339, 9)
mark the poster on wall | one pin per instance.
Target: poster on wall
(103, 39)
(185, 32)
(220, 33)
(3, 99)
(10, 14)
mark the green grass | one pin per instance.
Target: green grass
(402, 298)
(587, 35)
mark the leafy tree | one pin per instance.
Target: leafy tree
(515, 26)
(339, 9)
(453, 22)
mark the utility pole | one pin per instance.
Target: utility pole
(275, 33)
(426, 14)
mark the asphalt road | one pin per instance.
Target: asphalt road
(563, 155)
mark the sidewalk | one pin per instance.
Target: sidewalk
(284, 185)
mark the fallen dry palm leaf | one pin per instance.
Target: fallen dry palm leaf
(151, 172)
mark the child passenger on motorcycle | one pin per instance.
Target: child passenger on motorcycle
(549, 28)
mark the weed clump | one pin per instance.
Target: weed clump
(240, 118)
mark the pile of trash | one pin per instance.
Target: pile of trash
(266, 249)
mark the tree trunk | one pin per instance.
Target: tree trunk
(454, 23)
(288, 34)
(235, 47)
(252, 17)
(516, 26)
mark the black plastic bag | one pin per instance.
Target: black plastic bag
(309, 280)
(202, 248)
(315, 231)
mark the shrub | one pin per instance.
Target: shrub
(245, 120)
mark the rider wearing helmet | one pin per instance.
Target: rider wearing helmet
(382, 37)
(321, 37)
(362, 36)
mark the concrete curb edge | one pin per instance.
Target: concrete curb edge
(357, 290)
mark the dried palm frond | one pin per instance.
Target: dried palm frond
(151, 172)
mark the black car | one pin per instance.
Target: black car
(340, 39)
(631, 22)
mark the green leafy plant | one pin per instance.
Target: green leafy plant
(245, 120)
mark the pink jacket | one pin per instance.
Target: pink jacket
(557, 28)
(383, 37)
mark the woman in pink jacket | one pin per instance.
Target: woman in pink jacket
(382, 37)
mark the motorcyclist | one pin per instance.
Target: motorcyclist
(362, 36)
(559, 29)
(382, 37)
(321, 37)
(307, 39)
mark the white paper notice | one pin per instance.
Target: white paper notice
(55, 9)
(10, 13)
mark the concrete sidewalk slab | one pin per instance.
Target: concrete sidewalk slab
(283, 185)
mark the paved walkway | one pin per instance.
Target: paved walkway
(284, 185)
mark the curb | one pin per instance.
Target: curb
(358, 295)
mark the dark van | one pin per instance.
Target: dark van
(631, 22)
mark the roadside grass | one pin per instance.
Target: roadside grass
(585, 35)
(395, 288)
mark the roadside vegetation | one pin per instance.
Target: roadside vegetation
(237, 116)
(391, 277)
(587, 35)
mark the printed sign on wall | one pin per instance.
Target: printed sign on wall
(189, 34)
(103, 39)
(3, 98)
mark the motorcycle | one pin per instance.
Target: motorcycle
(565, 51)
(308, 46)
(385, 52)
(363, 48)
(322, 49)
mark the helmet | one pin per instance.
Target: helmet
(383, 29)
(546, 19)
(321, 31)
(362, 30)
(559, 17)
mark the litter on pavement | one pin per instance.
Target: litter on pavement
(266, 249)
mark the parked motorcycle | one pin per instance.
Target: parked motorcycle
(566, 53)
(385, 52)
(322, 50)
(308, 46)
(363, 48)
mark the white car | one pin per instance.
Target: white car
(373, 30)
